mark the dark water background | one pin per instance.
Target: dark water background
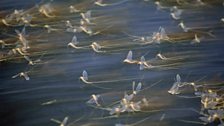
(57, 78)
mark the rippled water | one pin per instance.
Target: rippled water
(56, 78)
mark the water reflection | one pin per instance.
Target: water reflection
(47, 48)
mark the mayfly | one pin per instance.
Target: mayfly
(136, 89)
(144, 65)
(22, 74)
(196, 39)
(74, 43)
(175, 88)
(22, 38)
(176, 13)
(129, 58)
(64, 122)
(94, 100)
(160, 56)
(87, 16)
(183, 27)
(96, 47)
(47, 10)
(84, 77)
(72, 9)
(100, 3)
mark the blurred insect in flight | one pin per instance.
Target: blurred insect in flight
(22, 74)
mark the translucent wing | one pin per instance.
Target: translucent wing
(94, 99)
(112, 111)
(74, 40)
(98, 96)
(154, 34)
(145, 101)
(64, 122)
(89, 31)
(178, 79)
(23, 31)
(26, 76)
(71, 30)
(212, 112)
(90, 101)
(17, 32)
(88, 14)
(178, 12)
(141, 67)
(85, 75)
(123, 108)
(220, 112)
(160, 29)
(48, 8)
(175, 16)
(163, 33)
(129, 56)
(128, 97)
(162, 117)
(139, 87)
(142, 59)
(27, 58)
(148, 39)
(133, 86)
(174, 89)
(213, 104)
(204, 119)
